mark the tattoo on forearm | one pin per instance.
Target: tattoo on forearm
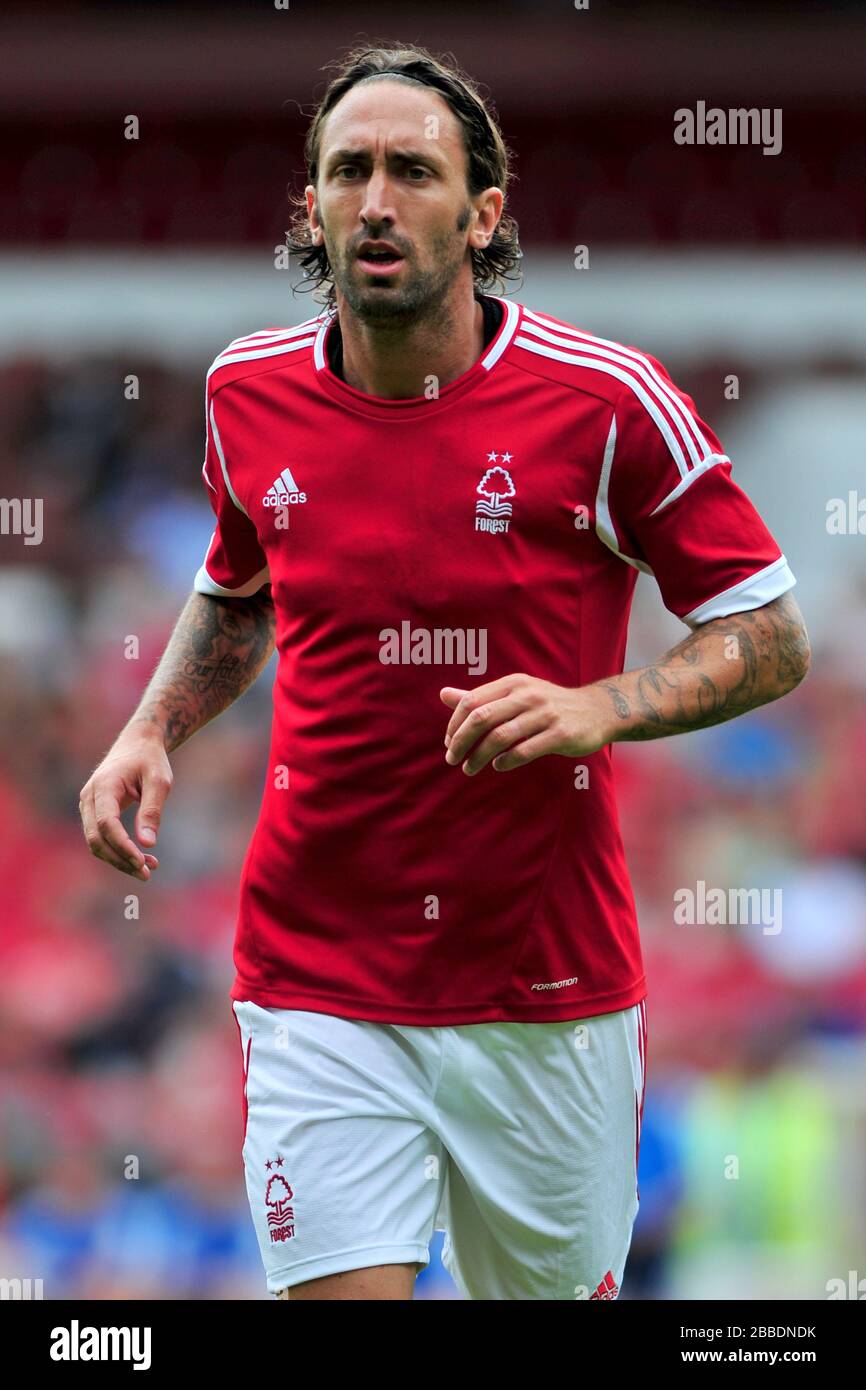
(206, 677)
(620, 703)
(218, 648)
(697, 684)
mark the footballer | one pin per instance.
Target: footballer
(434, 502)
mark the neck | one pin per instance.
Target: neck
(396, 361)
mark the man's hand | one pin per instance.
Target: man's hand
(516, 719)
(217, 649)
(723, 669)
(136, 769)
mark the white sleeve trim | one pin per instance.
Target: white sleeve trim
(203, 584)
(760, 588)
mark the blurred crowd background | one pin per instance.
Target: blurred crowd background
(120, 1069)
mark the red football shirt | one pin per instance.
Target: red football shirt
(450, 539)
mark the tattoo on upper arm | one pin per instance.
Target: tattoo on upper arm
(218, 648)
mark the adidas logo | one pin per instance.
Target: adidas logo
(608, 1288)
(283, 491)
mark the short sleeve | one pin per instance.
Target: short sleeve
(667, 503)
(235, 565)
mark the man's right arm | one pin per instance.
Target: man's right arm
(217, 649)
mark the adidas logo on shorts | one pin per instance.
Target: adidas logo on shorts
(607, 1289)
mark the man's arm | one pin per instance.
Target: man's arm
(217, 649)
(724, 668)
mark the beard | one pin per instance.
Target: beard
(420, 294)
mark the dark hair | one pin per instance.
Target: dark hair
(487, 156)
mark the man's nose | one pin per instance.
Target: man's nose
(378, 200)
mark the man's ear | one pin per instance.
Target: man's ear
(313, 215)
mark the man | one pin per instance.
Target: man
(435, 502)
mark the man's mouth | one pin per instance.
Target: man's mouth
(380, 262)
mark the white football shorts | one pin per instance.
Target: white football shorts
(519, 1140)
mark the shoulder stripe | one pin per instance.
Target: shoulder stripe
(623, 374)
(268, 342)
(682, 418)
(257, 352)
(591, 341)
(272, 335)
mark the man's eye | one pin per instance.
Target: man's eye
(414, 170)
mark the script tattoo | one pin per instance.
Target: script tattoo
(217, 649)
(696, 685)
(205, 676)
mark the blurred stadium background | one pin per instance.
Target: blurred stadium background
(144, 258)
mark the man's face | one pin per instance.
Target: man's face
(392, 167)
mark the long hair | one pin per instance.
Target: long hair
(488, 158)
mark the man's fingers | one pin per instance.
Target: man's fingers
(103, 851)
(470, 699)
(114, 786)
(110, 832)
(479, 722)
(450, 695)
(526, 752)
(94, 836)
(501, 739)
(156, 785)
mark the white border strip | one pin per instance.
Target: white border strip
(603, 522)
(506, 332)
(760, 588)
(222, 458)
(203, 584)
(686, 482)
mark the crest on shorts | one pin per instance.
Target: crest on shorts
(278, 1200)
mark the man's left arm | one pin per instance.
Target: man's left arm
(723, 668)
(666, 502)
